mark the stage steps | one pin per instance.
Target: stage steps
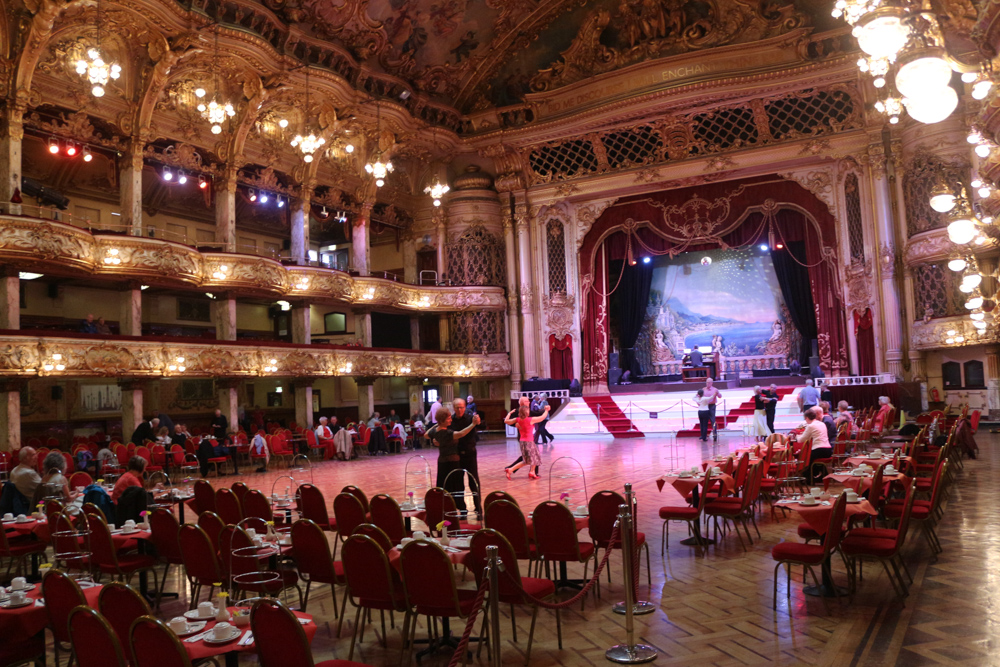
(612, 417)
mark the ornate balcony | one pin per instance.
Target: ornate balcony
(48, 246)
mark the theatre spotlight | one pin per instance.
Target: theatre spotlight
(779, 246)
(263, 197)
(182, 177)
(253, 195)
(646, 260)
(71, 149)
(763, 247)
(53, 145)
(87, 155)
(281, 202)
(168, 175)
(202, 182)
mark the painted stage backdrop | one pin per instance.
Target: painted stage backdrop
(727, 300)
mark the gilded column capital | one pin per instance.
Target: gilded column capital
(876, 159)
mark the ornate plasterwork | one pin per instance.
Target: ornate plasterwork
(26, 356)
(820, 182)
(559, 308)
(53, 246)
(933, 334)
(587, 214)
(887, 260)
(859, 290)
(933, 246)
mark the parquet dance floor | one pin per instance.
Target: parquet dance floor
(715, 609)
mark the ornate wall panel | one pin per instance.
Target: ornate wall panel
(555, 245)
(921, 173)
(855, 228)
(937, 293)
(474, 333)
(477, 257)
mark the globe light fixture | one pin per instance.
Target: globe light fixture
(217, 111)
(881, 33)
(891, 107)
(437, 191)
(961, 230)
(957, 265)
(379, 170)
(921, 71)
(974, 303)
(933, 106)
(308, 144)
(942, 199)
(97, 71)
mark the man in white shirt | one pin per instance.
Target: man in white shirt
(25, 476)
(711, 395)
(324, 438)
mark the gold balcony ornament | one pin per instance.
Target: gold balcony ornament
(54, 363)
(221, 273)
(464, 371)
(113, 257)
(97, 71)
(346, 368)
(271, 367)
(405, 369)
(368, 294)
(436, 191)
(177, 365)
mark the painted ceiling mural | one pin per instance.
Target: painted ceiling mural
(479, 53)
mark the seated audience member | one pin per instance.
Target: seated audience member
(374, 421)
(163, 436)
(831, 425)
(133, 476)
(882, 416)
(392, 417)
(181, 434)
(88, 325)
(211, 449)
(816, 431)
(324, 439)
(54, 483)
(334, 426)
(258, 447)
(102, 327)
(25, 475)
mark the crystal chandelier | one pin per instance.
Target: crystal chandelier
(437, 191)
(307, 143)
(94, 67)
(215, 112)
(378, 169)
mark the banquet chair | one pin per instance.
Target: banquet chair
(164, 529)
(603, 510)
(349, 514)
(372, 584)
(94, 641)
(14, 651)
(505, 517)
(204, 496)
(377, 534)
(359, 494)
(121, 605)
(255, 504)
(312, 505)
(882, 545)
(16, 549)
(513, 588)
(62, 595)
(280, 639)
(155, 645)
(144, 452)
(686, 513)
(557, 541)
(364, 437)
(175, 457)
(810, 555)
(738, 509)
(212, 524)
(438, 504)
(80, 480)
(497, 495)
(429, 585)
(315, 562)
(924, 512)
(227, 506)
(385, 514)
(109, 561)
(240, 489)
(201, 560)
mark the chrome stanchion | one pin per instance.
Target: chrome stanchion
(628, 555)
(492, 557)
(628, 653)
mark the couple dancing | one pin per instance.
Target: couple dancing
(455, 437)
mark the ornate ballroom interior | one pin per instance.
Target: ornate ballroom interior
(342, 207)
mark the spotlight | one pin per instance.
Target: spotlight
(199, 92)
(87, 156)
(281, 202)
(324, 213)
(283, 123)
(253, 195)
(202, 182)
(779, 246)
(763, 247)
(71, 149)
(646, 260)
(349, 148)
(53, 145)
(404, 95)
(182, 177)
(263, 197)
(167, 174)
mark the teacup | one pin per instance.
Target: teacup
(206, 609)
(22, 518)
(251, 533)
(815, 491)
(406, 540)
(716, 470)
(824, 496)
(582, 509)
(222, 630)
(241, 620)
(111, 527)
(808, 500)
(178, 624)
(852, 496)
(18, 597)
(8, 517)
(258, 541)
(18, 584)
(130, 525)
(419, 535)
(685, 473)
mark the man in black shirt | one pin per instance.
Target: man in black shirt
(146, 430)
(219, 425)
(772, 405)
(467, 450)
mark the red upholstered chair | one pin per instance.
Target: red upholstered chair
(371, 582)
(227, 506)
(429, 583)
(165, 531)
(280, 639)
(923, 512)
(16, 549)
(505, 517)
(109, 561)
(175, 459)
(255, 504)
(313, 507)
(62, 595)
(121, 605)
(509, 580)
(437, 504)
(385, 514)
(603, 510)
(212, 524)
(80, 480)
(882, 545)
(497, 495)
(234, 538)
(810, 555)
(357, 493)
(159, 454)
(201, 560)
(143, 452)
(94, 640)
(686, 513)
(240, 490)
(314, 560)
(69, 465)
(738, 509)
(377, 534)
(155, 645)
(349, 513)
(204, 496)
(31, 649)
(557, 541)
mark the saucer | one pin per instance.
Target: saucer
(809, 504)
(852, 502)
(192, 628)
(7, 604)
(28, 520)
(28, 587)
(234, 632)
(194, 615)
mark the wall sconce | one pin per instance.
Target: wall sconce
(177, 366)
(271, 367)
(112, 257)
(346, 368)
(303, 283)
(221, 273)
(463, 371)
(55, 363)
(405, 369)
(368, 294)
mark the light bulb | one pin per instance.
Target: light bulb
(981, 89)
(915, 77)
(974, 302)
(979, 324)
(199, 92)
(933, 106)
(263, 197)
(283, 123)
(881, 35)
(97, 91)
(949, 340)
(349, 148)
(969, 77)
(962, 231)
(984, 192)
(983, 150)
(942, 202)
(976, 183)
(974, 137)
(978, 316)
(959, 339)
(971, 280)
(957, 264)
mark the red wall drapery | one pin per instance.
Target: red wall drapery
(739, 209)
(864, 330)
(561, 357)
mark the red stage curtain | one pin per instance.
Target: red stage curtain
(561, 357)
(594, 326)
(864, 330)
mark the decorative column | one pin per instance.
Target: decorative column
(224, 309)
(885, 224)
(445, 336)
(229, 400)
(131, 407)
(10, 298)
(10, 158)
(447, 395)
(366, 398)
(410, 260)
(300, 226)
(225, 210)
(414, 332)
(993, 382)
(359, 239)
(303, 402)
(363, 326)
(301, 324)
(10, 414)
(441, 240)
(415, 394)
(130, 187)
(513, 320)
(130, 322)
(527, 300)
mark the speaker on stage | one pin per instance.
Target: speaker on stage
(614, 372)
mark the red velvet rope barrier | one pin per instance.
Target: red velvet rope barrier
(476, 607)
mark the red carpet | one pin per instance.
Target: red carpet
(612, 417)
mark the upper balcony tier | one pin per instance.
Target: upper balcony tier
(46, 246)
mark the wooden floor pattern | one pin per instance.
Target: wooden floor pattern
(715, 609)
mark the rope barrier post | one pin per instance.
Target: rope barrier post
(493, 559)
(628, 653)
(631, 558)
